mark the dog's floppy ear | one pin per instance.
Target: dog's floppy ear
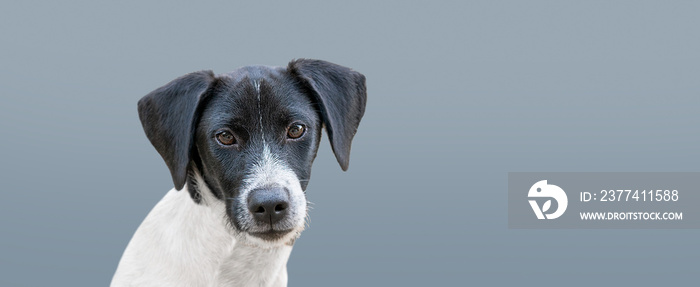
(341, 95)
(168, 116)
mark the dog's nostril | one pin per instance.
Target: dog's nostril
(260, 209)
(280, 207)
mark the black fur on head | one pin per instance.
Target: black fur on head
(180, 118)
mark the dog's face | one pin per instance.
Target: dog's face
(257, 138)
(249, 138)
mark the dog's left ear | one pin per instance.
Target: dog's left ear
(168, 116)
(341, 95)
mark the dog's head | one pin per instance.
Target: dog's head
(249, 138)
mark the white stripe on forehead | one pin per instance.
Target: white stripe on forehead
(256, 83)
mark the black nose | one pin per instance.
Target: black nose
(268, 205)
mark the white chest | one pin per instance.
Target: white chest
(181, 243)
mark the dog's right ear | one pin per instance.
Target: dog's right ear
(169, 115)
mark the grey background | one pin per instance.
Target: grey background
(460, 93)
(687, 185)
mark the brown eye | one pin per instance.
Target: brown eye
(225, 138)
(295, 131)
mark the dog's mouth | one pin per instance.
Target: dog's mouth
(271, 235)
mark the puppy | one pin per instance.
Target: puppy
(239, 147)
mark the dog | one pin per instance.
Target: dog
(239, 147)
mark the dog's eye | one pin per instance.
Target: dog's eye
(295, 131)
(225, 137)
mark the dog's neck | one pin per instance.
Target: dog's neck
(182, 243)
